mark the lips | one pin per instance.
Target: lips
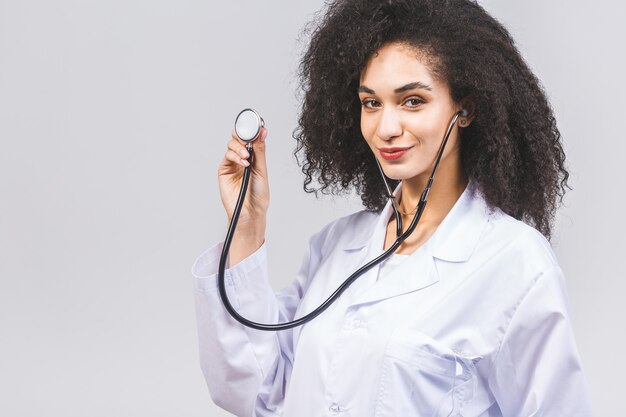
(393, 153)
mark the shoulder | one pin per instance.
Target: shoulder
(510, 261)
(514, 237)
(514, 254)
(344, 231)
(479, 234)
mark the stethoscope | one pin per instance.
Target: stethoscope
(248, 127)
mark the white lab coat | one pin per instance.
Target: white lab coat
(473, 323)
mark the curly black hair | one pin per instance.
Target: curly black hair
(512, 149)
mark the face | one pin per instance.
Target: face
(405, 112)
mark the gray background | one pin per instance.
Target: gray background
(113, 118)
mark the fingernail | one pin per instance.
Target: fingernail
(244, 153)
(244, 162)
(263, 135)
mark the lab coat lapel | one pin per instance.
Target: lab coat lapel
(417, 272)
(365, 246)
(453, 241)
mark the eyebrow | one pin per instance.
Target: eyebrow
(413, 86)
(406, 87)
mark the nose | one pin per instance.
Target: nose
(389, 124)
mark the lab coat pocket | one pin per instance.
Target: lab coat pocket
(421, 377)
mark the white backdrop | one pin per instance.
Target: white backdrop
(113, 118)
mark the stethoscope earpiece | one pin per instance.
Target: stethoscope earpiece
(248, 125)
(462, 113)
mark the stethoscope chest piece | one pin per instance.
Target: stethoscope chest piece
(248, 125)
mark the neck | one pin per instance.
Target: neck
(448, 185)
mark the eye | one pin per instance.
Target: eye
(413, 102)
(370, 103)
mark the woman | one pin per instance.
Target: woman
(469, 317)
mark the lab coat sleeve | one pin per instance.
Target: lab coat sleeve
(537, 371)
(246, 370)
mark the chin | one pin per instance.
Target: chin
(399, 173)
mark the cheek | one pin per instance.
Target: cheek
(428, 129)
(367, 130)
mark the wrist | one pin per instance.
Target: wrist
(251, 228)
(248, 238)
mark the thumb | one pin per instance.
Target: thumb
(260, 163)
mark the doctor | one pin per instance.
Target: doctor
(470, 316)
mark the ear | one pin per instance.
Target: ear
(466, 119)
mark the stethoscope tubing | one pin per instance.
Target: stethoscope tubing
(400, 237)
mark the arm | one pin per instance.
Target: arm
(246, 370)
(537, 371)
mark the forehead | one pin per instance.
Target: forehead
(398, 64)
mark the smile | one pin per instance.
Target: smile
(392, 153)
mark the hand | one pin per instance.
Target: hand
(230, 175)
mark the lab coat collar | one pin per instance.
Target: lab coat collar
(455, 238)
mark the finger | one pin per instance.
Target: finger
(235, 158)
(236, 147)
(260, 163)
